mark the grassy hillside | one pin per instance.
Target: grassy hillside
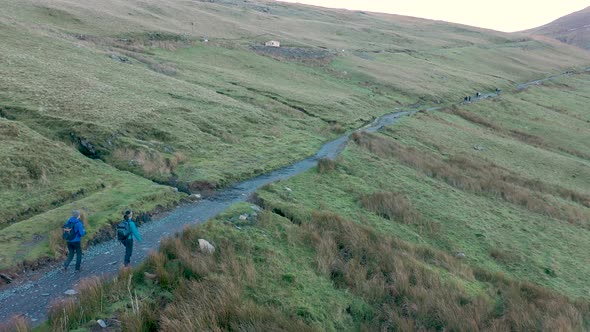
(472, 218)
(44, 180)
(99, 100)
(570, 29)
(452, 220)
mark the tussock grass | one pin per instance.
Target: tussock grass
(393, 206)
(412, 296)
(486, 178)
(64, 315)
(68, 313)
(151, 163)
(15, 324)
(393, 284)
(220, 307)
(326, 165)
(524, 137)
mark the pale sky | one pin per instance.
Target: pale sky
(502, 15)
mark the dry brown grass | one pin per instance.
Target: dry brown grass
(64, 315)
(208, 289)
(152, 163)
(519, 135)
(503, 256)
(394, 278)
(410, 296)
(472, 117)
(68, 313)
(15, 324)
(326, 165)
(393, 206)
(484, 177)
(92, 296)
(218, 305)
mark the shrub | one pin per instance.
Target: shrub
(326, 165)
(393, 206)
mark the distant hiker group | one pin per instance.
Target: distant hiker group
(73, 231)
(478, 95)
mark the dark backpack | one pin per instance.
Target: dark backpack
(69, 233)
(123, 230)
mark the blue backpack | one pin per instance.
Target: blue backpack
(68, 231)
(123, 230)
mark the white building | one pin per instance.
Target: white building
(273, 43)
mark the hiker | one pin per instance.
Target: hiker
(465, 99)
(469, 99)
(498, 91)
(478, 94)
(126, 231)
(73, 231)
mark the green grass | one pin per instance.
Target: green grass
(318, 273)
(43, 193)
(203, 115)
(527, 245)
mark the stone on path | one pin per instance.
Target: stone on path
(70, 292)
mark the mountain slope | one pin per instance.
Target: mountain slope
(473, 217)
(133, 85)
(573, 29)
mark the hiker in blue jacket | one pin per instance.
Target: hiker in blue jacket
(131, 233)
(74, 246)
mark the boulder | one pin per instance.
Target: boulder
(101, 323)
(206, 247)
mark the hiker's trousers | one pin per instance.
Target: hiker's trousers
(128, 250)
(74, 248)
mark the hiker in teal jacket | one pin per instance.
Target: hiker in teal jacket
(128, 243)
(74, 246)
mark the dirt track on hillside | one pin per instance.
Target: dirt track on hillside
(31, 296)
